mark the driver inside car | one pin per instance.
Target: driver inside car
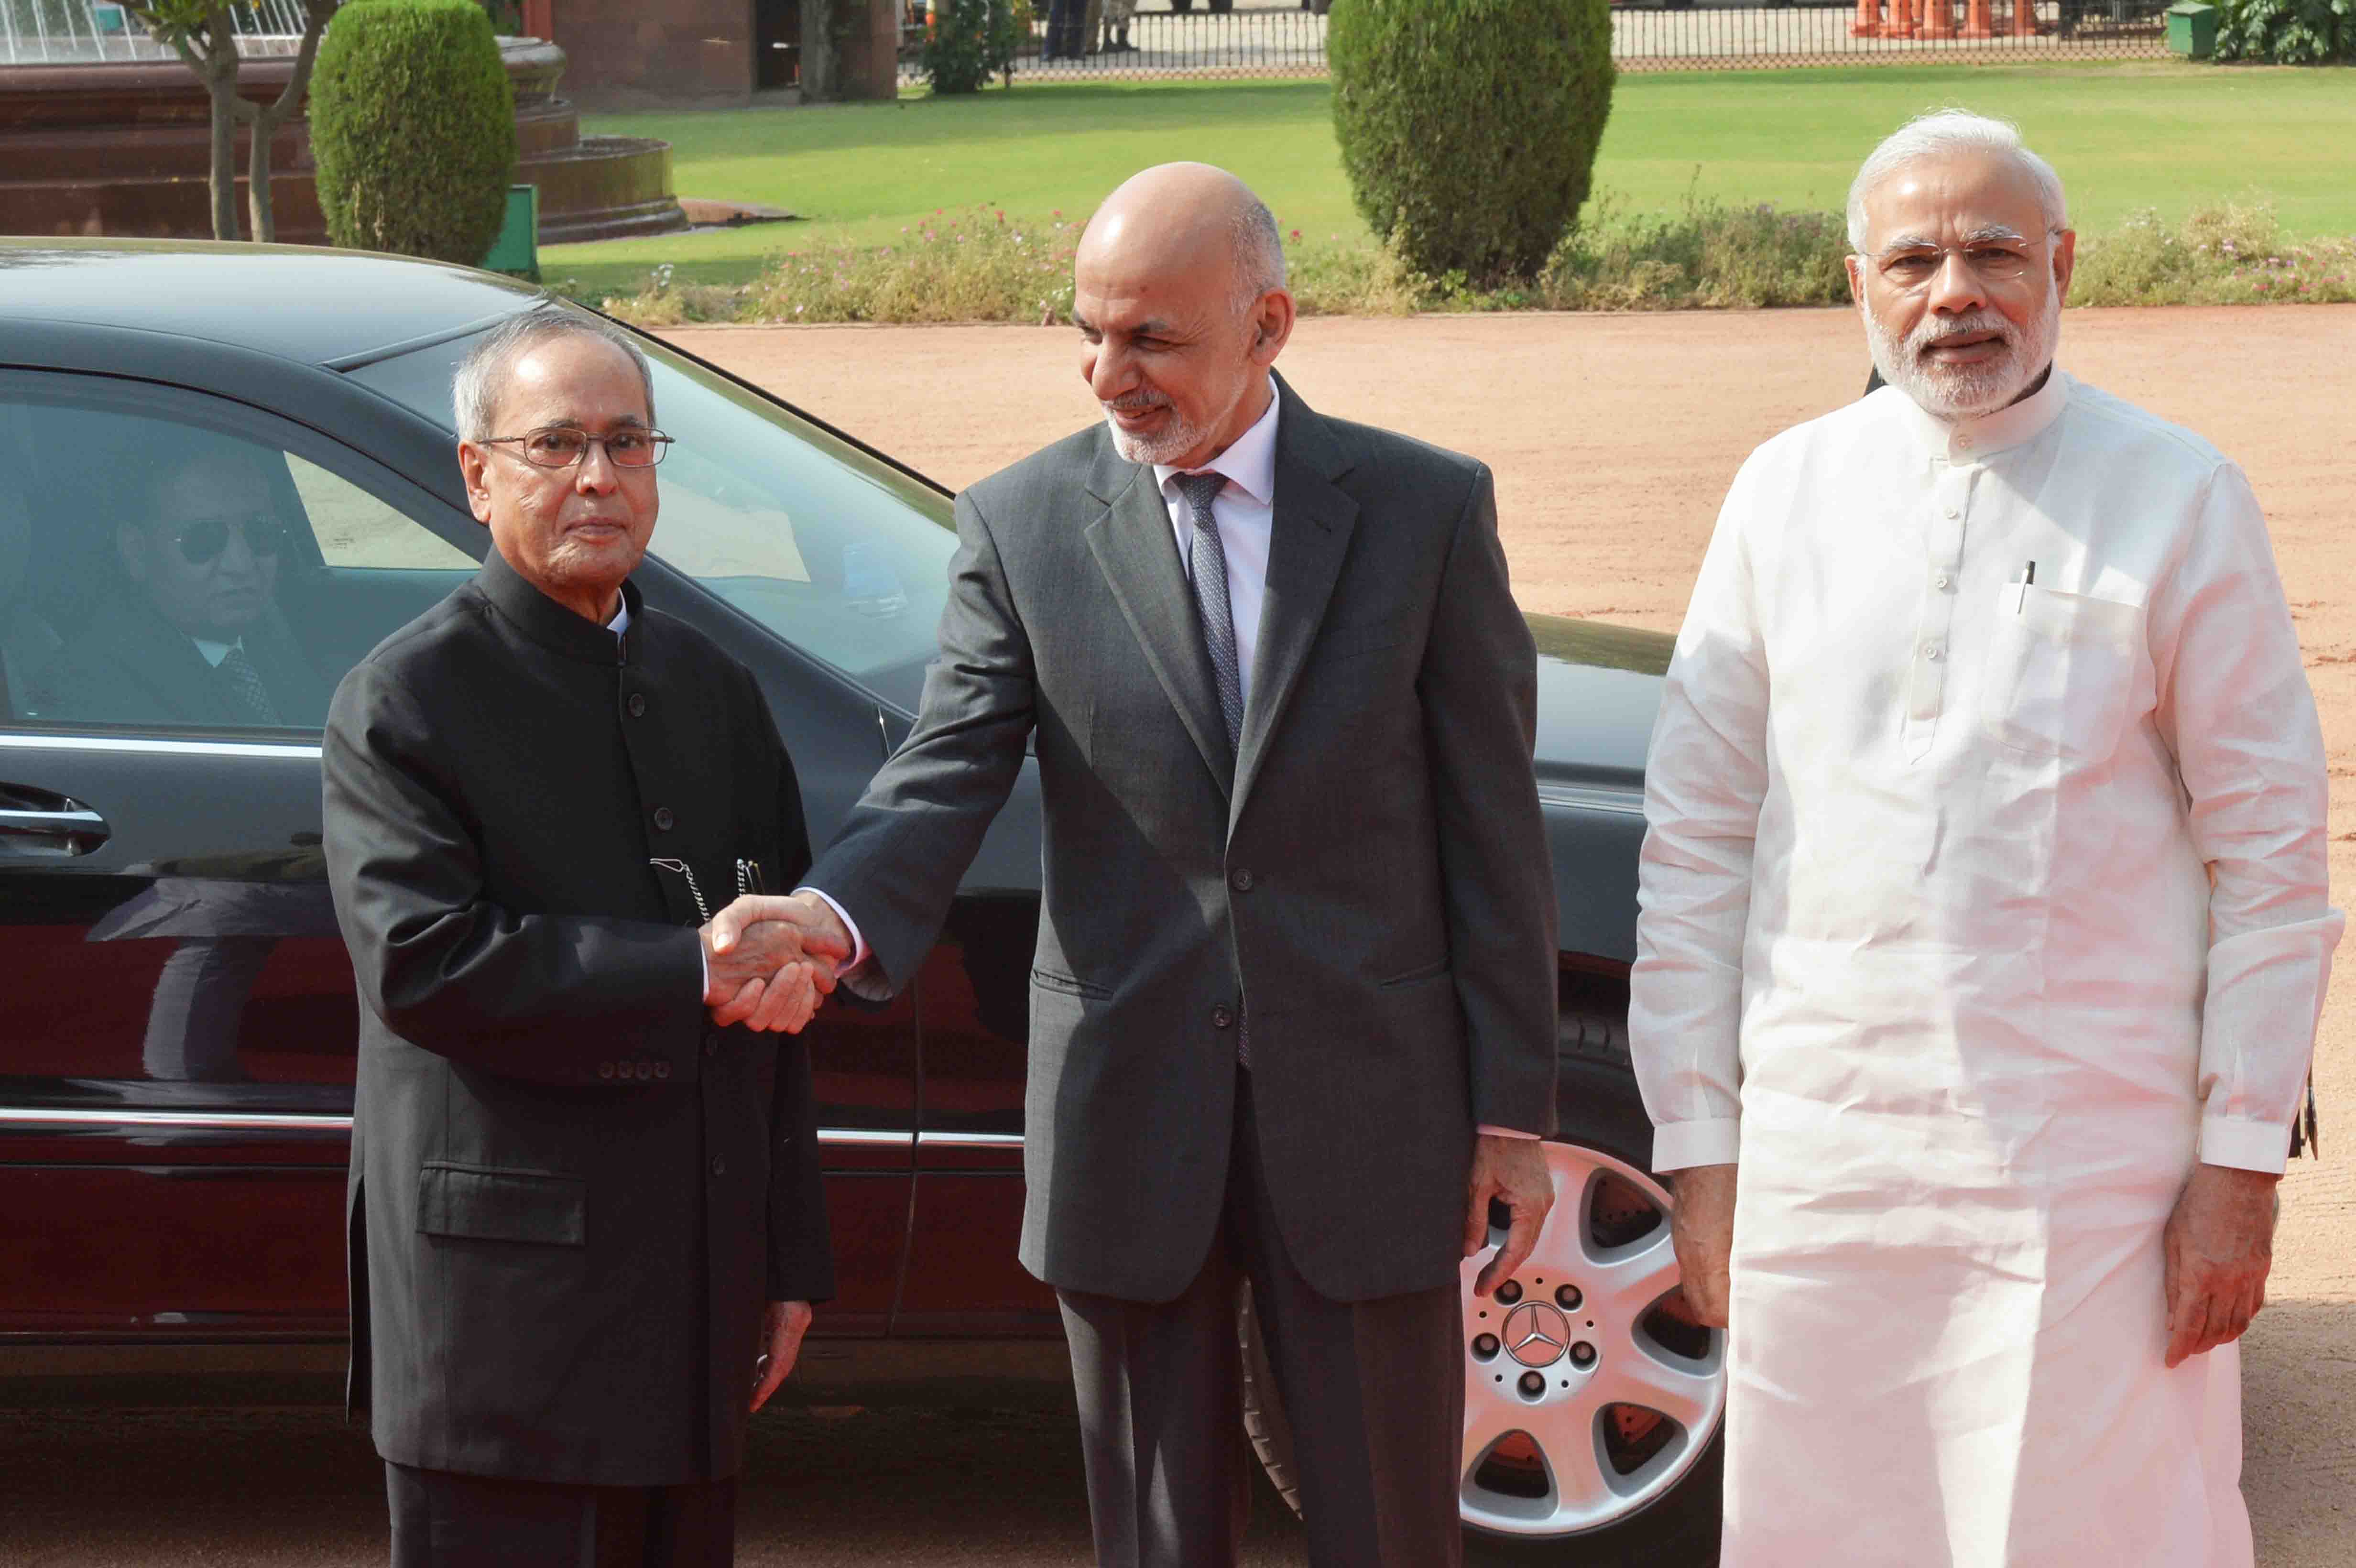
(190, 634)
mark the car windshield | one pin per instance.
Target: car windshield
(837, 552)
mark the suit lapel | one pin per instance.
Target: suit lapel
(1138, 553)
(1309, 538)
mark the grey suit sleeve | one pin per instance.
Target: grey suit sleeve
(897, 863)
(529, 995)
(1480, 701)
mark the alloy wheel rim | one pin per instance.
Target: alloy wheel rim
(1585, 1399)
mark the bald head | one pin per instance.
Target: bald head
(1178, 292)
(1190, 216)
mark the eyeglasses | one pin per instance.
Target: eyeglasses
(201, 543)
(1999, 261)
(562, 446)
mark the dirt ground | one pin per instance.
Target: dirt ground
(1613, 438)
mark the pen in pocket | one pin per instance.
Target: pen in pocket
(2027, 581)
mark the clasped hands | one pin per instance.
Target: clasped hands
(769, 961)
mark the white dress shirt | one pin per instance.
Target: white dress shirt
(215, 652)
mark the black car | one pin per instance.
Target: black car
(177, 1028)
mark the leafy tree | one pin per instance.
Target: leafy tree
(199, 31)
(2286, 32)
(969, 41)
(1468, 128)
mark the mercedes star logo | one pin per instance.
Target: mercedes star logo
(1536, 1334)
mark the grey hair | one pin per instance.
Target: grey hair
(1259, 251)
(1953, 131)
(483, 374)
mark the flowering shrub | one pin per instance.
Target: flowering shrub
(982, 264)
(2220, 255)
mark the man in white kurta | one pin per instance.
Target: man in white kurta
(1983, 913)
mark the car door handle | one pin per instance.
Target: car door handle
(35, 822)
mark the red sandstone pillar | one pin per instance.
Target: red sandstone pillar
(1869, 21)
(1938, 18)
(1902, 19)
(540, 19)
(2024, 18)
(1979, 19)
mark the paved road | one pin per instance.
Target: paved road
(986, 1481)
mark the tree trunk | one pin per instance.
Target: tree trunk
(821, 61)
(209, 49)
(265, 120)
(221, 86)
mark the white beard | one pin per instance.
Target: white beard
(1176, 440)
(1960, 391)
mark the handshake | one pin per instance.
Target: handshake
(769, 961)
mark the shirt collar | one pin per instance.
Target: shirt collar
(1249, 464)
(215, 652)
(546, 622)
(1980, 436)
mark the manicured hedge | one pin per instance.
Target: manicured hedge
(413, 126)
(1469, 127)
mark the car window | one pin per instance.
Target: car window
(175, 567)
(840, 554)
(355, 529)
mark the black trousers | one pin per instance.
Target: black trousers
(1374, 1390)
(443, 1520)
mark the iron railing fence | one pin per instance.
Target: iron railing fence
(1275, 38)
(86, 32)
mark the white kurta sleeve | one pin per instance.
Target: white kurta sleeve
(1703, 780)
(2234, 708)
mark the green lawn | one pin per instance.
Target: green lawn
(2125, 136)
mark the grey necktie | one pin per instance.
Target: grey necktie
(244, 683)
(1208, 564)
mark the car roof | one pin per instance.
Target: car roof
(297, 302)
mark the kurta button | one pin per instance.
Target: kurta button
(1222, 1017)
(638, 703)
(605, 1070)
(1240, 880)
(663, 818)
(1943, 581)
(1932, 652)
(1951, 512)
(719, 1165)
(645, 1071)
(662, 1069)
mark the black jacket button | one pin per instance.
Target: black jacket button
(1240, 880)
(662, 1069)
(663, 818)
(637, 705)
(605, 1070)
(711, 1045)
(1222, 1017)
(719, 1165)
(645, 1071)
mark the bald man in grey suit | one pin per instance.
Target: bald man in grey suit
(1292, 1013)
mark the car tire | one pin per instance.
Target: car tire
(1665, 1507)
